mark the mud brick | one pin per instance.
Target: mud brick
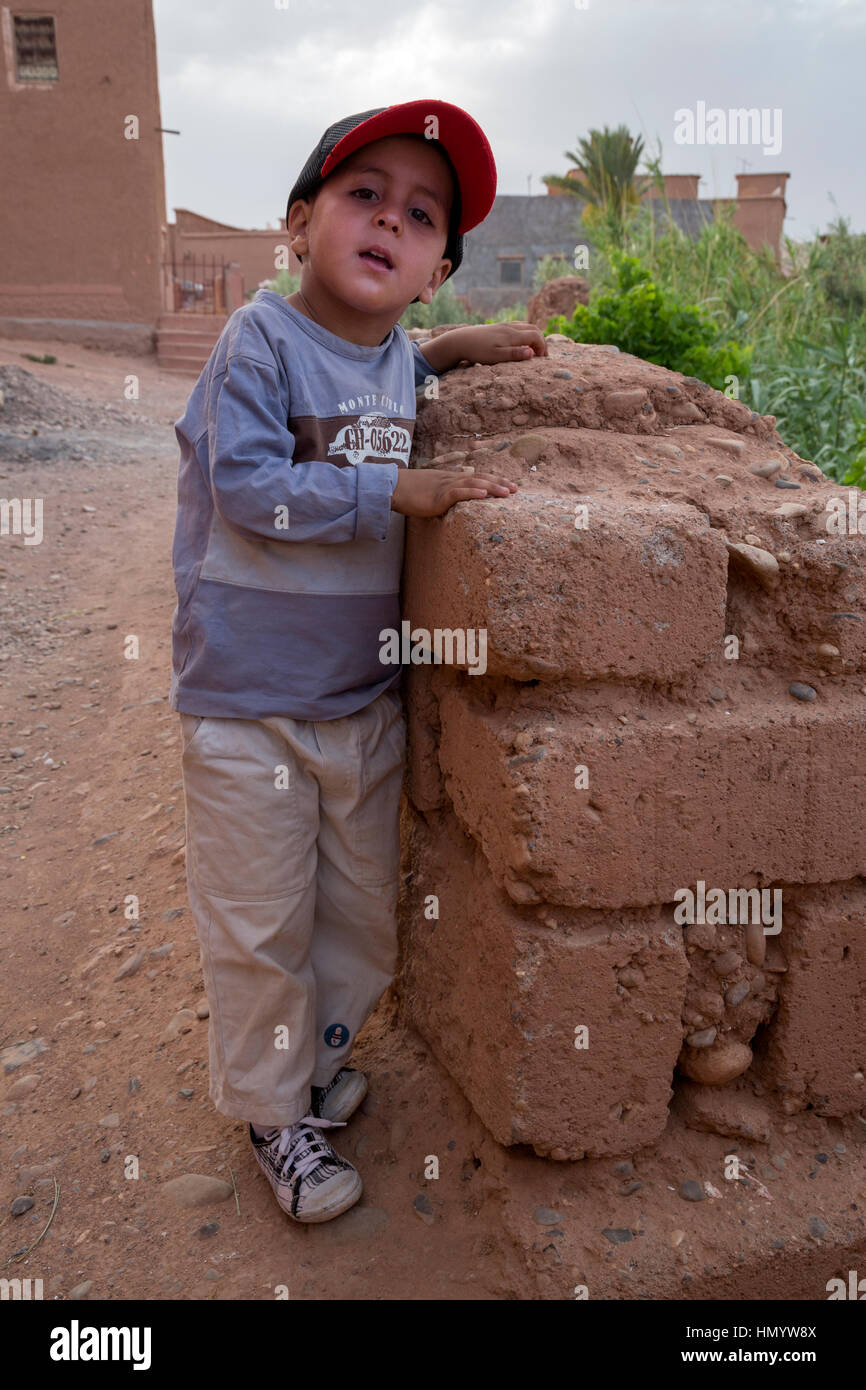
(498, 991)
(641, 591)
(766, 791)
(815, 1051)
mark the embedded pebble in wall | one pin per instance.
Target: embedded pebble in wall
(714, 1066)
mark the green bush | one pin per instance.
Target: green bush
(643, 319)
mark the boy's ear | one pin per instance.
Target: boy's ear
(299, 221)
(436, 279)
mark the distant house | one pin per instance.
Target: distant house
(501, 254)
(82, 216)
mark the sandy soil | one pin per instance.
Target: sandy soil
(91, 811)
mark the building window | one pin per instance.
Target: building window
(35, 49)
(511, 270)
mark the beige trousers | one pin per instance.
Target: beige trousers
(293, 860)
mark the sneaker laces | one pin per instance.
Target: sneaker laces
(293, 1139)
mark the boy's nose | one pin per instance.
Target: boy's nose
(389, 219)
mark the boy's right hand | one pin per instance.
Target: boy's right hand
(431, 491)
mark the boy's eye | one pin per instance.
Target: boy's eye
(371, 190)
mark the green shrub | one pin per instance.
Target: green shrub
(641, 318)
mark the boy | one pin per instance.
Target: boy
(293, 487)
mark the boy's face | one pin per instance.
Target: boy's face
(395, 194)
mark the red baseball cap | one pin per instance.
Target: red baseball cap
(460, 137)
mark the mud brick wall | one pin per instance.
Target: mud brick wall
(535, 905)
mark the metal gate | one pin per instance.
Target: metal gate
(195, 285)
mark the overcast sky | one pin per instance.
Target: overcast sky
(252, 84)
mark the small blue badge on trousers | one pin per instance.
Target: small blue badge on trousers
(336, 1034)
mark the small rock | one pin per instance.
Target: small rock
(181, 1023)
(423, 1207)
(15, 1057)
(791, 510)
(724, 480)
(766, 470)
(80, 1291)
(737, 993)
(621, 403)
(691, 1191)
(727, 963)
(759, 562)
(210, 1228)
(202, 1011)
(20, 1205)
(732, 446)
(545, 1217)
(197, 1190)
(130, 966)
(705, 1038)
(786, 483)
(111, 1121)
(617, 1235)
(29, 1176)
(801, 691)
(105, 1155)
(133, 1084)
(818, 1227)
(23, 1087)
(713, 1066)
(700, 934)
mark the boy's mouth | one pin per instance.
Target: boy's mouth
(377, 256)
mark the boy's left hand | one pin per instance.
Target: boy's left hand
(484, 343)
(502, 342)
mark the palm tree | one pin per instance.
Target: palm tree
(608, 161)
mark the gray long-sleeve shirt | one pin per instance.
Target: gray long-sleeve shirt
(287, 556)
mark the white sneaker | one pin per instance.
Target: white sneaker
(311, 1181)
(342, 1097)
